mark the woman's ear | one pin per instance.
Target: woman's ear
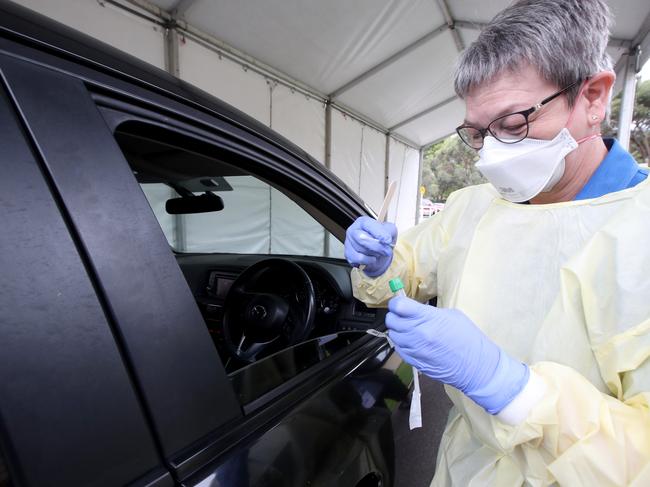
(597, 94)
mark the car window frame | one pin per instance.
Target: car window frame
(117, 112)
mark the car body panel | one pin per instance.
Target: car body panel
(340, 434)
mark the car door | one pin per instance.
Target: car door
(338, 410)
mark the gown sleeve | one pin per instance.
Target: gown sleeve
(415, 261)
(582, 435)
(415, 256)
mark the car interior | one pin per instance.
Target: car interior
(265, 273)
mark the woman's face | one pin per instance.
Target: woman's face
(515, 91)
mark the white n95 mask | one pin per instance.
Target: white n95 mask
(522, 170)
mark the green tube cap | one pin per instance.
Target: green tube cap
(396, 284)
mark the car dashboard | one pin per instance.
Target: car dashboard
(210, 277)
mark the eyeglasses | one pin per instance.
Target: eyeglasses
(509, 129)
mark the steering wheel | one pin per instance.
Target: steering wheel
(261, 308)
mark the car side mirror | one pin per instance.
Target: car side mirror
(184, 205)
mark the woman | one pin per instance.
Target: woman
(542, 331)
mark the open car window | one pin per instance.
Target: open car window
(256, 217)
(219, 218)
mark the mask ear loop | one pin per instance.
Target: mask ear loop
(588, 137)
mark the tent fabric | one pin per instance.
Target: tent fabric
(359, 158)
(407, 95)
(322, 44)
(403, 167)
(396, 172)
(109, 24)
(325, 45)
(293, 231)
(346, 149)
(225, 79)
(246, 220)
(428, 125)
(157, 195)
(300, 118)
(256, 218)
(372, 179)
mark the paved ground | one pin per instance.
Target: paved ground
(416, 450)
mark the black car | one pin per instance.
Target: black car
(174, 305)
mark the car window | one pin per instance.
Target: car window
(210, 206)
(256, 219)
(258, 378)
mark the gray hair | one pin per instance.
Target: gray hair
(566, 40)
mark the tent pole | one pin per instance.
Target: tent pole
(451, 23)
(328, 134)
(389, 61)
(387, 163)
(172, 64)
(180, 7)
(328, 164)
(424, 112)
(627, 101)
(418, 196)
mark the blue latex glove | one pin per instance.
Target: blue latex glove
(445, 345)
(370, 243)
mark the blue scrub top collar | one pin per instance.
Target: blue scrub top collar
(616, 172)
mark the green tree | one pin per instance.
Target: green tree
(640, 132)
(429, 181)
(449, 166)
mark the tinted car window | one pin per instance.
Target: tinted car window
(261, 377)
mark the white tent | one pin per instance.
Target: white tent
(363, 86)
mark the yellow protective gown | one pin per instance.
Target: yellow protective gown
(565, 288)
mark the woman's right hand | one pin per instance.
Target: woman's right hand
(370, 243)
